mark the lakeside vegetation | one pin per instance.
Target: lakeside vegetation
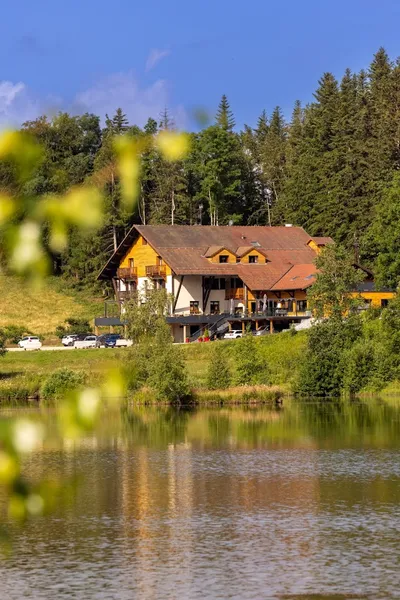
(23, 374)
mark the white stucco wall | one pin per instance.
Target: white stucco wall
(217, 296)
(191, 290)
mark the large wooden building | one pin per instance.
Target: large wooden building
(227, 276)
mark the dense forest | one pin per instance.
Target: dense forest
(333, 169)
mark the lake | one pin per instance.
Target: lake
(298, 502)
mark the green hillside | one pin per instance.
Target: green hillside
(41, 309)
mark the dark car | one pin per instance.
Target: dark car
(107, 340)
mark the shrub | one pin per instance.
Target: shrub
(250, 367)
(218, 372)
(61, 381)
(359, 366)
(73, 325)
(13, 333)
(321, 371)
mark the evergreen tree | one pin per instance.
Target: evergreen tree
(119, 123)
(220, 169)
(224, 117)
(151, 126)
(166, 121)
(262, 128)
(384, 236)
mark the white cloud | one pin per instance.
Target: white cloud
(155, 56)
(121, 90)
(15, 104)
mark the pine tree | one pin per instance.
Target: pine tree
(221, 171)
(224, 117)
(166, 122)
(262, 128)
(308, 188)
(119, 123)
(151, 126)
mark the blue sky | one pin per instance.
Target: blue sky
(80, 55)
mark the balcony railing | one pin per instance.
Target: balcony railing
(127, 273)
(156, 271)
(126, 295)
(234, 294)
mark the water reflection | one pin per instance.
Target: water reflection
(230, 503)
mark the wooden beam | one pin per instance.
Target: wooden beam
(179, 291)
(271, 326)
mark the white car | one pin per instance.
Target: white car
(68, 340)
(263, 331)
(233, 335)
(123, 343)
(30, 342)
(88, 342)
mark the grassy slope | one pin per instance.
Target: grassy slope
(40, 310)
(27, 370)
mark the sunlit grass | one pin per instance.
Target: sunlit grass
(41, 309)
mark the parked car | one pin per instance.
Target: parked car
(30, 342)
(108, 340)
(68, 340)
(123, 343)
(263, 331)
(88, 341)
(233, 335)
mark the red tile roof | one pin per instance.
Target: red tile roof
(184, 248)
(259, 277)
(322, 241)
(299, 277)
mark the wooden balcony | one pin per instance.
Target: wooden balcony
(156, 271)
(234, 294)
(127, 273)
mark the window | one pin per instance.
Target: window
(131, 263)
(159, 261)
(144, 242)
(236, 283)
(384, 303)
(223, 258)
(301, 305)
(194, 307)
(214, 283)
(253, 259)
(214, 307)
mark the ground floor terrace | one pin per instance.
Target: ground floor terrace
(190, 328)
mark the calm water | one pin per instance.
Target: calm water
(302, 502)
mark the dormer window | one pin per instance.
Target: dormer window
(223, 258)
(253, 259)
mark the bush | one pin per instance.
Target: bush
(13, 333)
(359, 366)
(61, 381)
(250, 367)
(73, 325)
(321, 371)
(218, 372)
(156, 363)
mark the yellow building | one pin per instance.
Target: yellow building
(228, 276)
